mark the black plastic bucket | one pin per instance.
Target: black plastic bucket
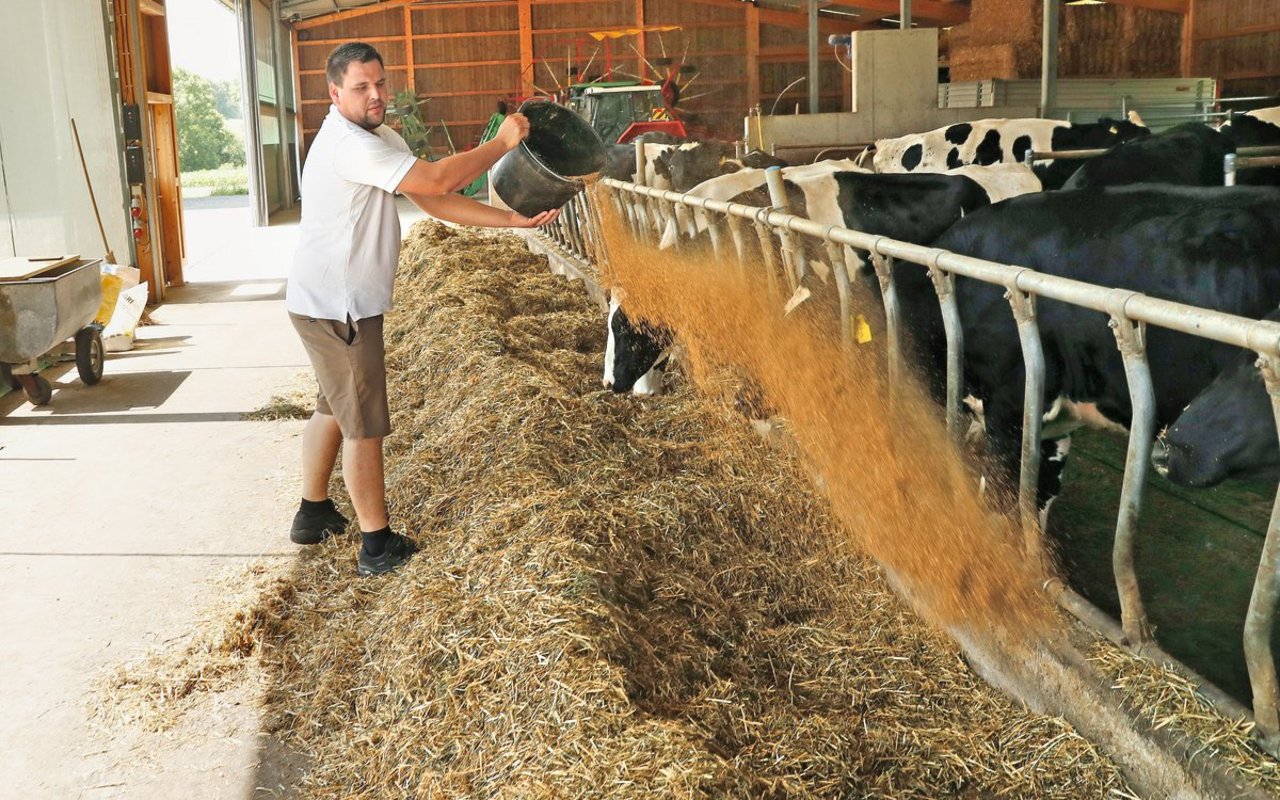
(548, 168)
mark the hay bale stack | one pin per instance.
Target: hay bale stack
(1003, 40)
(615, 597)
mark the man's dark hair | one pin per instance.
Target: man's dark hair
(344, 54)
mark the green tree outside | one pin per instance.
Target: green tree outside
(203, 140)
(226, 96)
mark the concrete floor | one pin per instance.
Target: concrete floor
(124, 501)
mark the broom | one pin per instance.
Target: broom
(111, 257)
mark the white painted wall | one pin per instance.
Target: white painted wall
(58, 68)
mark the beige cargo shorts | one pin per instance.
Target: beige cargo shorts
(350, 365)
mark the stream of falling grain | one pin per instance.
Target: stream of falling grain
(892, 478)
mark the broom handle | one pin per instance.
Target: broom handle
(111, 257)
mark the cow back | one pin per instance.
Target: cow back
(1188, 155)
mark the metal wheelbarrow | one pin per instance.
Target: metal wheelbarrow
(39, 314)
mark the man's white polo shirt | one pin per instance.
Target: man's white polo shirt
(349, 237)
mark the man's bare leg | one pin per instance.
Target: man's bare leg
(321, 440)
(362, 471)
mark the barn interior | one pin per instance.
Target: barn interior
(617, 595)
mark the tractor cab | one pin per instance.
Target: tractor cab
(621, 111)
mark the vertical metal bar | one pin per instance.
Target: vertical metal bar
(944, 283)
(252, 116)
(712, 223)
(673, 213)
(835, 252)
(904, 15)
(1131, 340)
(814, 81)
(739, 243)
(765, 235)
(1024, 312)
(1259, 621)
(889, 295)
(791, 256)
(1049, 59)
(1229, 169)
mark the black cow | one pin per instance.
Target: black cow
(1000, 141)
(1228, 429)
(1255, 129)
(1215, 248)
(1188, 155)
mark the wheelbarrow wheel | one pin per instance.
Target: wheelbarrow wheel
(36, 388)
(89, 355)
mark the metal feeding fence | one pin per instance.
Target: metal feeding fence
(577, 237)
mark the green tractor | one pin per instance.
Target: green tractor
(622, 110)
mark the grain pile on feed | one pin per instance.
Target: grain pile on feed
(614, 597)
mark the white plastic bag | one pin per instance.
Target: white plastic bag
(118, 335)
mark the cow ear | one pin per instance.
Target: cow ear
(661, 167)
(729, 167)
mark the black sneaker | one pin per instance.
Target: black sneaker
(313, 527)
(399, 549)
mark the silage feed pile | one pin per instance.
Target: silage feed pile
(615, 597)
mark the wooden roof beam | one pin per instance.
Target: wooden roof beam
(1174, 6)
(931, 10)
(793, 19)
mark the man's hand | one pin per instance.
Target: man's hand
(521, 221)
(513, 130)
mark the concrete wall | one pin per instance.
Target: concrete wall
(58, 53)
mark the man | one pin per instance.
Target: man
(340, 285)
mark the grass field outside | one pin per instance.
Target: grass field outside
(225, 180)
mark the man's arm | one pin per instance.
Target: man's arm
(465, 211)
(453, 172)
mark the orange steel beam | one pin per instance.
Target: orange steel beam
(408, 49)
(753, 56)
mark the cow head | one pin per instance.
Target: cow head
(692, 163)
(1106, 132)
(1228, 429)
(635, 355)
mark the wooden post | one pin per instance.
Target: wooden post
(525, 13)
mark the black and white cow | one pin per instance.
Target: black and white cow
(692, 163)
(913, 208)
(635, 355)
(1228, 429)
(999, 141)
(1216, 248)
(1259, 128)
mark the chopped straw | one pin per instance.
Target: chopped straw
(621, 597)
(295, 401)
(615, 596)
(1164, 699)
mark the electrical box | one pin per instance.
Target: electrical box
(132, 122)
(134, 170)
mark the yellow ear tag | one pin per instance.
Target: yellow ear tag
(861, 330)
